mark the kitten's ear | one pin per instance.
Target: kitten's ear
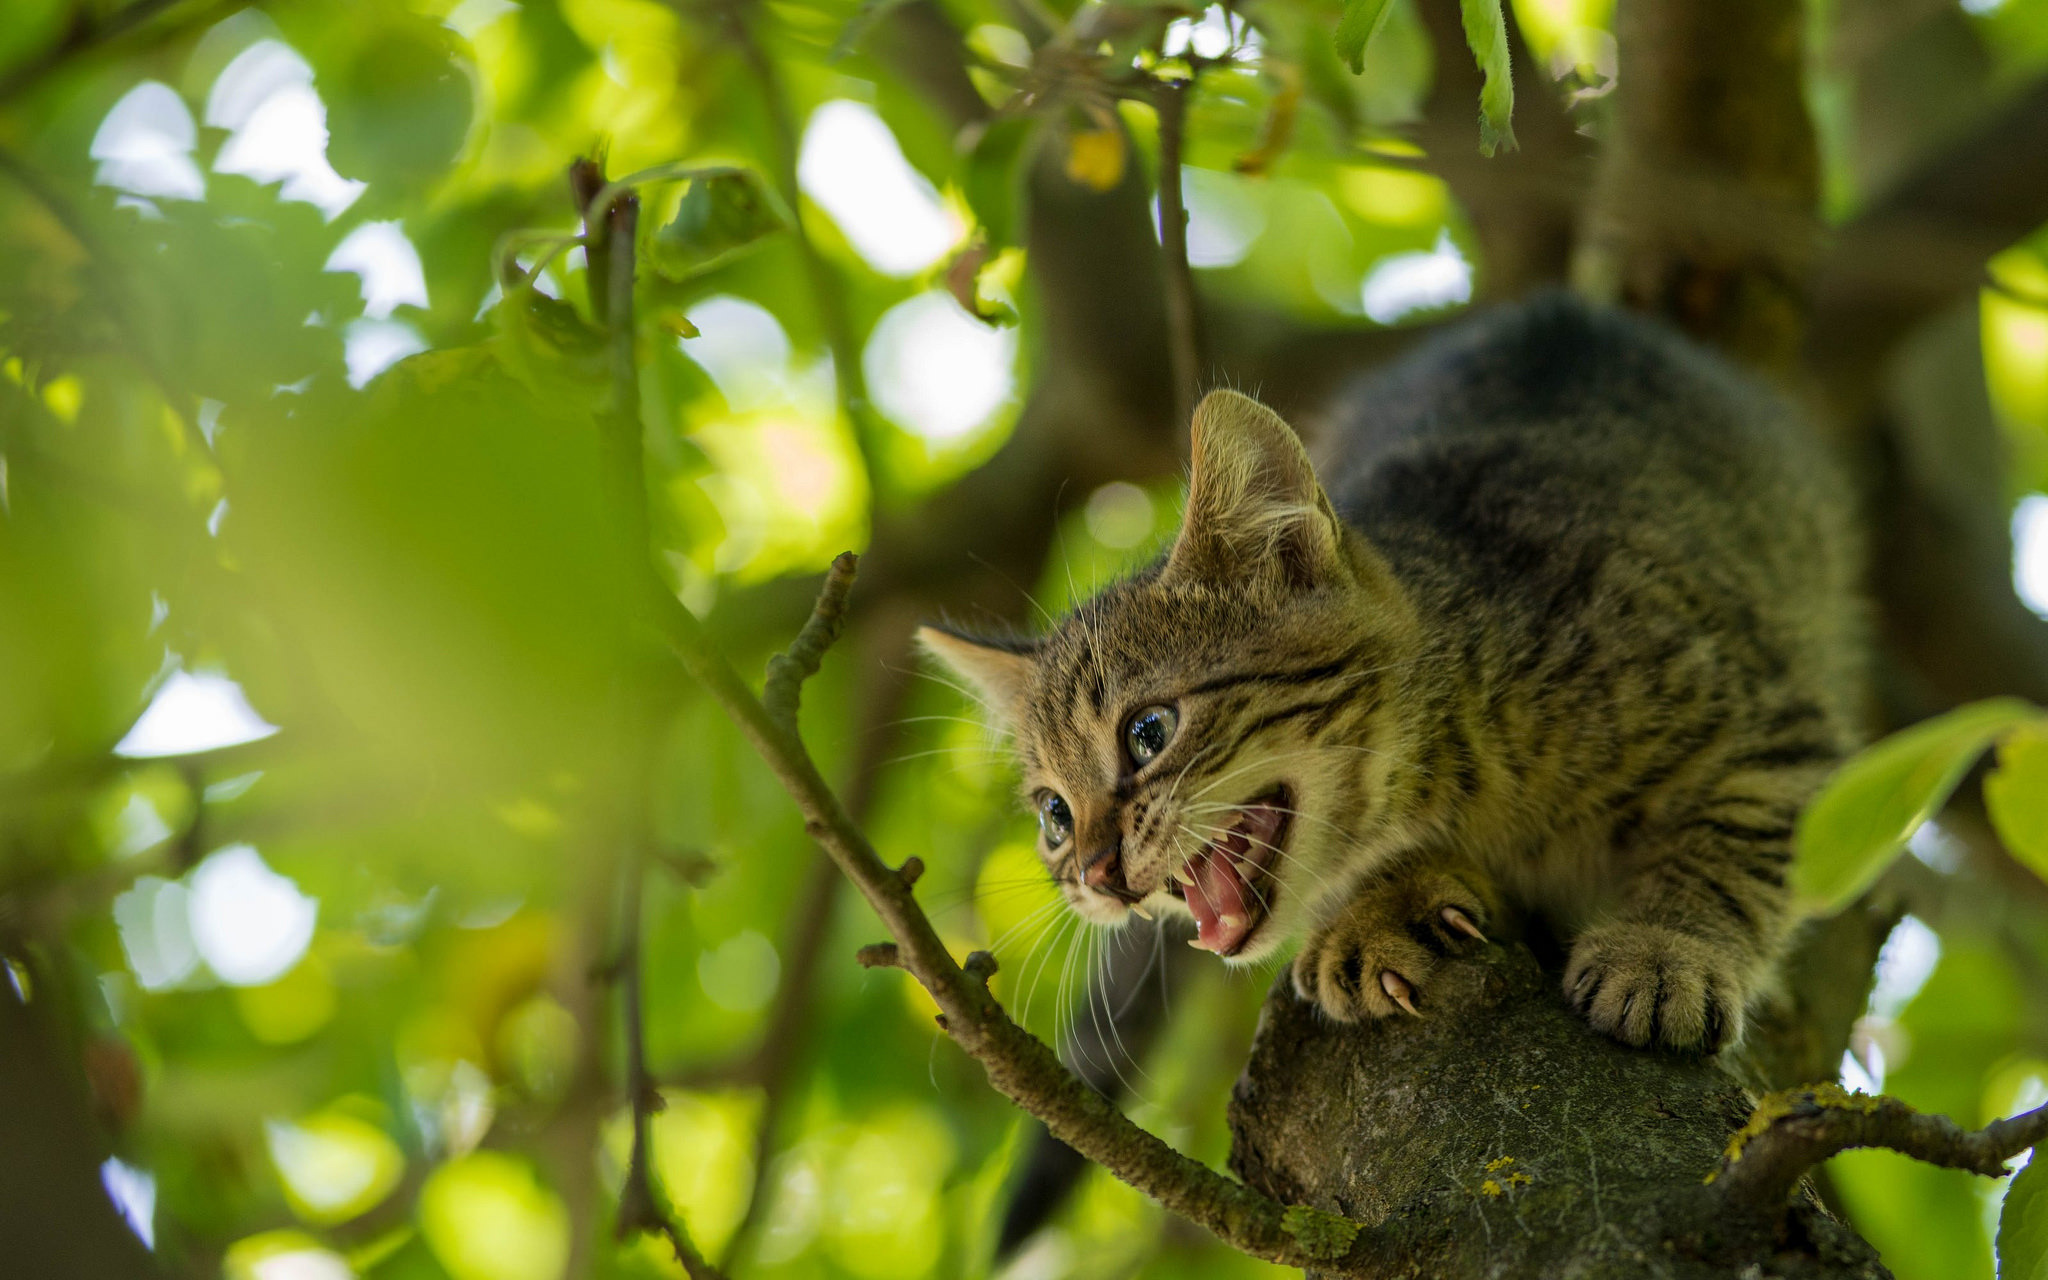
(999, 673)
(1254, 504)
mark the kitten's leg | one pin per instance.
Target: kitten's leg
(1376, 956)
(1703, 915)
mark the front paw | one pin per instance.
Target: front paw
(1378, 955)
(1646, 984)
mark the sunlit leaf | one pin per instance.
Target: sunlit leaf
(1486, 32)
(1362, 21)
(1095, 158)
(335, 1166)
(2016, 792)
(2023, 1225)
(1875, 802)
(720, 214)
(488, 1219)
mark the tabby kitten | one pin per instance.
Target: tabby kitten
(1572, 625)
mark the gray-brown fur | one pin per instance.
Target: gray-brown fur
(1572, 625)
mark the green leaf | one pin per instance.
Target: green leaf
(1875, 802)
(399, 111)
(992, 179)
(1486, 31)
(2016, 792)
(1362, 21)
(2023, 1225)
(720, 214)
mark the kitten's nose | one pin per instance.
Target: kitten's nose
(1105, 873)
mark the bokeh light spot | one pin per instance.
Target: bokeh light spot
(2030, 552)
(382, 254)
(487, 1218)
(852, 166)
(935, 370)
(1119, 515)
(194, 713)
(334, 1166)
(1405, 283)
(144, 146)
(249, 923)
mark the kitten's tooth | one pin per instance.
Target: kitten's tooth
(1232, 921)
(1140, 912)
(1398, 989)
(1185, 876)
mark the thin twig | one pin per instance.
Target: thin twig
(1183, 319)
(788, 670)
(1019, 1064)
(640, 1205)
(1792, 1131)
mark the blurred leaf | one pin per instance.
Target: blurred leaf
(1486, 31)
(31, 27)
(1276, 134)
(1877, 800)
(2016, 792)
(399, 110)
(2023, 1224)
(335, 1166)
(1095, 157)
(720, 214)
(993, 179)
(488, 1219)
(1361, 22)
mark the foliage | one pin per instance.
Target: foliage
(1877, 801)
(300, 377)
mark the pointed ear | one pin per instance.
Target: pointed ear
(998, 672)
(1254, 504)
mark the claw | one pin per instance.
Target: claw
(1462, 923)
(1399, 991)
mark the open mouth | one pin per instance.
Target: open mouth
(1229, 885)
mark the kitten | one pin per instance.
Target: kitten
(1571, 624)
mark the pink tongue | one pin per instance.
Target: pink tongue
(1217, 902)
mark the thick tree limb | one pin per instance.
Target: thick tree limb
(1791, 1132)
(1019, 1064)
(1499, 1135)
(1703, 209)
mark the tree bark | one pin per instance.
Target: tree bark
(1501, 1136)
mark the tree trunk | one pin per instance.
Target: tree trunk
(1504, 1137)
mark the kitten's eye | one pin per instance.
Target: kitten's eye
(1149, 732)
(1055, 820)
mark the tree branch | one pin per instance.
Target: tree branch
(1791, 1132)
(86, 34)
(1019, 1064)
(640, 1207)
(1183, 317)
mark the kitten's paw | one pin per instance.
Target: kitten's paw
(1377, 956)
(1646, 984)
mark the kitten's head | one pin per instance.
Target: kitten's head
(1209, 736)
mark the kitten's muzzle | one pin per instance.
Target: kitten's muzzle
(1105, 874)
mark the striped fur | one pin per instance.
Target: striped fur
(1571, 624)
